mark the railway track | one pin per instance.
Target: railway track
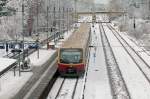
(142, 47)
(65, 88)
(70, 88)
(139, 61)
(118, 85)
(132, 66)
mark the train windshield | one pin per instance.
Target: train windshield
(71, 56)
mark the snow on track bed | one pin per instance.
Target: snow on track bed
(140, 62)
(64, 88)
(137, 84)
(117, 83)
(68, 88)
(141, 51)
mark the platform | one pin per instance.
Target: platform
(6, 64)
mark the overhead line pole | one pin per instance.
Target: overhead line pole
(37, 40)
(75, 13)
(47, 25)
(54, 24)
(59, 20)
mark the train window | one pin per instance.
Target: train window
(71, 56)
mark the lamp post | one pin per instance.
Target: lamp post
(59, 21)
(47, 25)
(134, 24)
(54, 23)
(37, 45)
(23, 32)
(37, 35)
(67, 20)
(75, 2)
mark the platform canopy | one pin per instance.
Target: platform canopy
(6, 64)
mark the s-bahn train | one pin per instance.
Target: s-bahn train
(72, 55)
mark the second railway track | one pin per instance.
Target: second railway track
(134, 70)
(139, 61)
(117, 83)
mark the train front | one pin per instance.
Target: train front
(71, 62)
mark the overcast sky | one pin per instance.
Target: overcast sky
(101, 1)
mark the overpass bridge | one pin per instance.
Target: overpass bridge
(94, 15)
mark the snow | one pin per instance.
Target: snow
(137, 84)
(67, 34)
(2, 52)
(55, 89)
(141, 64)
(97, 84)
(116, 81)
(138, 49)
(5, 63)
(85, 19)
(11, 84)
(93, 90)
(67, 89)
(44, 55)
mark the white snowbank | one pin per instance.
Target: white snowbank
(44, 55)
(97, 85)
(11, 84)
(5, 62)
(137, 84)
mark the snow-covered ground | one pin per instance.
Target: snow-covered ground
(85, 19)
(136, 83)
(3, 52)
(97, 84)
(5, 62)
(140, 34)
(12, 84)
(44, 55)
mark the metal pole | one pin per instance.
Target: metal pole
(47, 25)
(75, 10)
(54, 24)
(23, 32)
(72, 17)
(67, 20)
(63, 18)
(19, 65)
(149, 9)
(59, 21)
(149, 5)
(37, 29)
(134, 26)
(75, 14)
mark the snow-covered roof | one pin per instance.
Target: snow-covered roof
(6, 64)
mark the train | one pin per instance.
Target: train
(73, 53)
